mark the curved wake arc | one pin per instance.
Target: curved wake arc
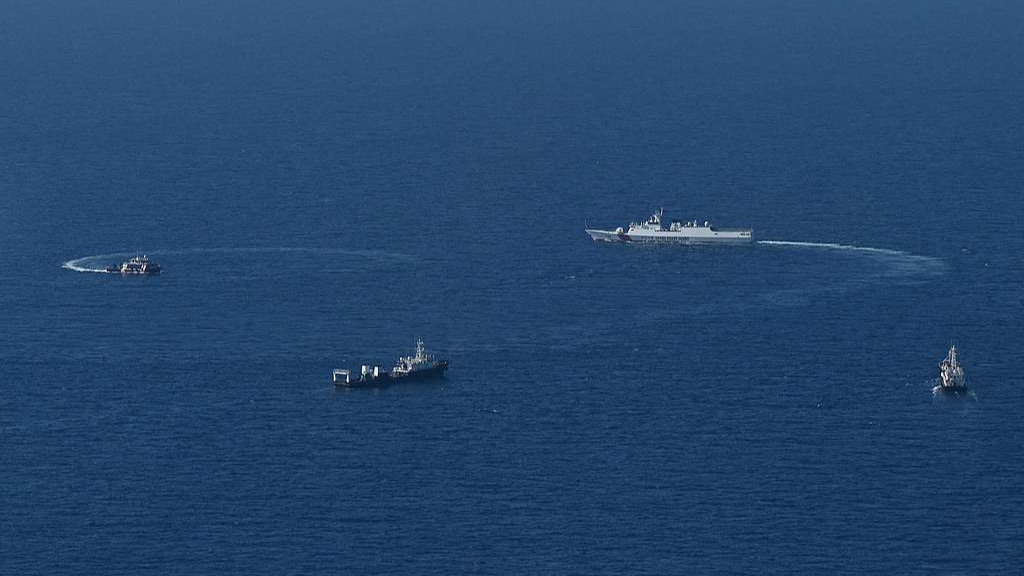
(93, 264)
(80, 264)
(900, 263)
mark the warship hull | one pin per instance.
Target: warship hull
(151, 272)
(951, 390)
(670, 237)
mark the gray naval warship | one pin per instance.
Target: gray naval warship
(421, 366)
(951, 375)
(136, 266)
(653, 231)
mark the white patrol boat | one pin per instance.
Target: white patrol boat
(136, 266)
(677, 233)
(951, 375)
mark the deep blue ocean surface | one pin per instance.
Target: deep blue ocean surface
(325, 181)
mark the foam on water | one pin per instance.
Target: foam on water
(832, 246)
(937, 393)
(89, 263)
(901, 263)
(82, 264)
(892, 267)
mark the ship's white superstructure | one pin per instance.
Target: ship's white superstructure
(653, 230)
(136, 266)
(421, 361)
(951, 374)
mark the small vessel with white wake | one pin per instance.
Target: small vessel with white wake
(951, 375)
(421, 366)
(136, 266)
(692, 232)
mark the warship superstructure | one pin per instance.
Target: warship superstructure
(420, 366)
(136, 266)
(654, 231)
(951, 375)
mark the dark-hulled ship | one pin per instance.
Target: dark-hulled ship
(951, 375)
(136, 266)
(421, 366)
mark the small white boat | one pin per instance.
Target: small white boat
(136, 266)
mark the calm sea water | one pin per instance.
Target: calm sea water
(325, 181)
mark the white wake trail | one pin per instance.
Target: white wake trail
(900, 263)
(97, 263)
(831, 246)
(82, 264)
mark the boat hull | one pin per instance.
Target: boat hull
(150, 273)
(386, 379)
(951, 390)
(151, 270)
